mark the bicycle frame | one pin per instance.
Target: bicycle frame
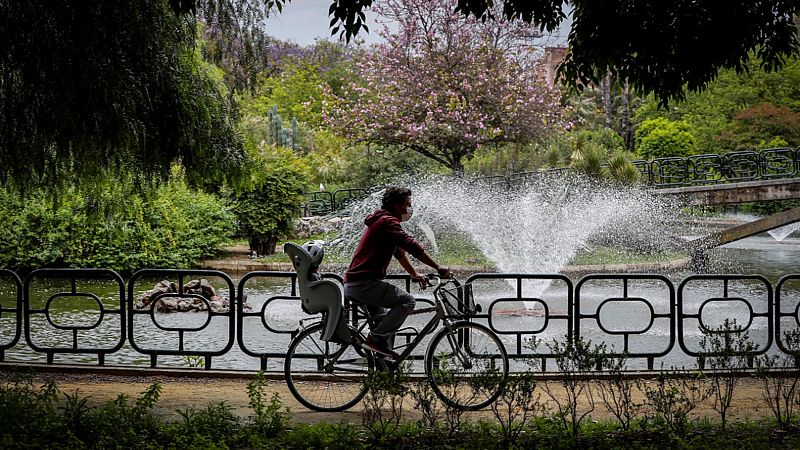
(441, 315)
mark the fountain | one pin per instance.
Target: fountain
(779, 234)
(535, 228)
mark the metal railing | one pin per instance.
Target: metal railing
(324, 202)
(695, 170)
(659, 315)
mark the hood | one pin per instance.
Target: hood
(377, 215)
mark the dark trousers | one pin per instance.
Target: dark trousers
(382, 297)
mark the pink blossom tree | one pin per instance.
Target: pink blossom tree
(444, 85)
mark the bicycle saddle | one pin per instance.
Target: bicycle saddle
(317, 296)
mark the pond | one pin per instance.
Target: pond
(96, 323)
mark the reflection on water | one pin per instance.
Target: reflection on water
(268, 327)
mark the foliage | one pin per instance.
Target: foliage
(674, 47)
(444, 86)
(574, 358)
(588, 158)
(517, 404)
(713, 113)
(296, 91)
(780, 388)
(117, 226)
(514, 158)
(727, 351)
(244, 61)
(296, 82)
(616, 392)
(270, 419)
(765, 125)
(27, 410)
(621, 169)
(33, 417)
(601, 155)
(121, 423)
(265, 205)
(768, 208)
(383, 404)
(213, 426)
(96, 89)
(672, 399)
(662, 138)
(606, 138)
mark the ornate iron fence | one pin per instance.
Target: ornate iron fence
(148, 330)
(695, 170)
(638, 315)
(10, 305)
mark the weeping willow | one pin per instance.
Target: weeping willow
(95, 89)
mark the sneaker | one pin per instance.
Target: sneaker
(378, 345)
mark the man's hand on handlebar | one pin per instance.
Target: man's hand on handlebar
(444, 272)
(422, 280)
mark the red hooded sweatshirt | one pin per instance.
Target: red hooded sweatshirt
(383, 239)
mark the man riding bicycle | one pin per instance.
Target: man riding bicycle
(363, 280)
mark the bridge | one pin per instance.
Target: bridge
(733, 178)
(734, 193)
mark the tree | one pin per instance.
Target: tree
(442, 86)
(93, 89)
(659, 47)
(739, 111)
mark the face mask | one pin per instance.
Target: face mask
(407, 216)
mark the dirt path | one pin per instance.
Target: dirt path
(182, 393)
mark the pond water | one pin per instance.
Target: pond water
(62, 325)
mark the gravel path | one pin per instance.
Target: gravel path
(180, 393)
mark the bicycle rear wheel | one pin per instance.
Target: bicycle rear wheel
(467, 365)
(325, 376)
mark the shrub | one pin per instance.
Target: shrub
(781, 391)
(606, 138)
(616, 392)
(672, 399)
(662, 138)
(266, 203)
(621, 170)
(28, 413)
(268, 419)
(574, 358)
(121, 423)
(114, 225)
(383, 404)
(728, 351)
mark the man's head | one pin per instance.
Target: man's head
(397, 200)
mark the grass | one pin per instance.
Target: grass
(459, 251)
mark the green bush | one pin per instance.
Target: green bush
(265, 205)
(662, 138)
(115, 225)
(606, 138)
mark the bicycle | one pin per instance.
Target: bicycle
(466, 363)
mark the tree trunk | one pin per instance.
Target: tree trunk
(626, 131)
(457, 167)
(606, 87)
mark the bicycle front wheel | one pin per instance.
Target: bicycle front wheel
(467, 365)
(325, 376)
